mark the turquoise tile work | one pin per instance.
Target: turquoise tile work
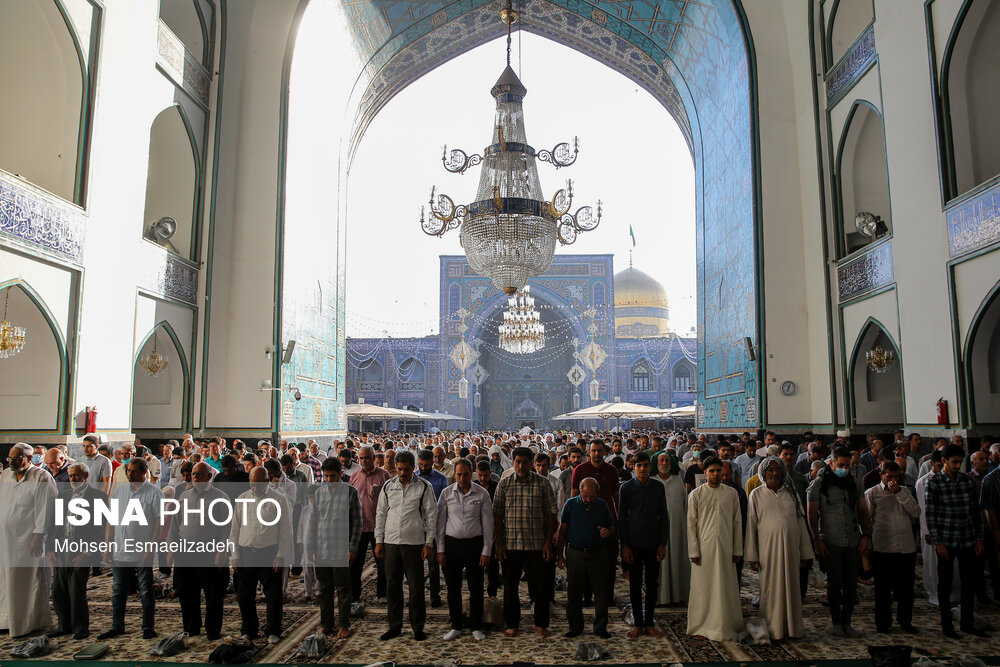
(694, 58)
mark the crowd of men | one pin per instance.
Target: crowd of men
(678, 517)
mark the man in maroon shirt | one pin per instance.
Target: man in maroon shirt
(368, 481)
(607, 480)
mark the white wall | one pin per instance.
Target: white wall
(795, 345)
(920, 246)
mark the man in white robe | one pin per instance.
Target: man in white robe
(715, 544)
(777, 545)
(675, 568)
(26, 500)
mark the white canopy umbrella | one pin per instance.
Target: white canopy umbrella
(617, 410)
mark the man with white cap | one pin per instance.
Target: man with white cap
(25, 492)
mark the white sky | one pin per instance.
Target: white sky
(632, 157)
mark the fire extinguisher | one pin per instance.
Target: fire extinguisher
(91, 419)
(942, 410)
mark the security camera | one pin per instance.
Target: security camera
(297, 395)
(286, 357)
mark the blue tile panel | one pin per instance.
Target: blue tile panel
(866, 273)
(39, 220)
(312, 312)
(852, 66)
(974, 223)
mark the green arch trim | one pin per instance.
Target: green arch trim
(948, 174)
(64, 380)
(828, 35)
(840, 224)
(86, 90)
(988, 302)
(871, 322)
(181, 357)
(198, 180)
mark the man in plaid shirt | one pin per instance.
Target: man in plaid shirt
(955, 526)
(524, 510)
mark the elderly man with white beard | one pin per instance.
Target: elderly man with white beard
(26, 495)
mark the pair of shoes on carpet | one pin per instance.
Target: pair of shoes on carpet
(52, 634)
(435, 602)
(273, 639)
(418, 635)
(452, 634)
(110, 634)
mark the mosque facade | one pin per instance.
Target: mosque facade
(625, 316)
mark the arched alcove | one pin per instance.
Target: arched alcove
(412, 375)
(862, 175)
(43, 104)
(32, 382)
(982, 359)
(642, 377)
(186, 19)
(171, 180)
(159, 402)
(970, 71)
(847, 20)
(877, 398)
(370, 375)
(682, 375)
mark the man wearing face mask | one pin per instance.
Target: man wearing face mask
(841, 529)
(69, 582)
(24, 593)
(192, 574)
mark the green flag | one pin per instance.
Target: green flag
(632, 234)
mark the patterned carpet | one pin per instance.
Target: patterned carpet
(363, 647)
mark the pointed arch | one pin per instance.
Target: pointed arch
(862, 175)
(173, 180)
(874, 398)
(34, 369)
(44, 119)
(641, 376)
(982, 361)
(371, 375)
(681, 376)
(187, 21)
(161, 402)
(969, 98)
(847, 21)
(411, 375)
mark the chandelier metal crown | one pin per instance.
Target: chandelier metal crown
(509, 232)
(522, 331)
(11, 337)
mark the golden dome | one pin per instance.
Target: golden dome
(641, 306)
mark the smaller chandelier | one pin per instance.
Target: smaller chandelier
(880, 360)
(522, 331)
(154, 362)
(11, 337)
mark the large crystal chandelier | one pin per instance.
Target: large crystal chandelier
(11, 337)
(522, 331)
(509, 232)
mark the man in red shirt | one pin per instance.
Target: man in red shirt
(368, 481)
(607, 480)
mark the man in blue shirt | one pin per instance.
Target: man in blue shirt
(643, 527)
(585, 527)
(438, 482)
